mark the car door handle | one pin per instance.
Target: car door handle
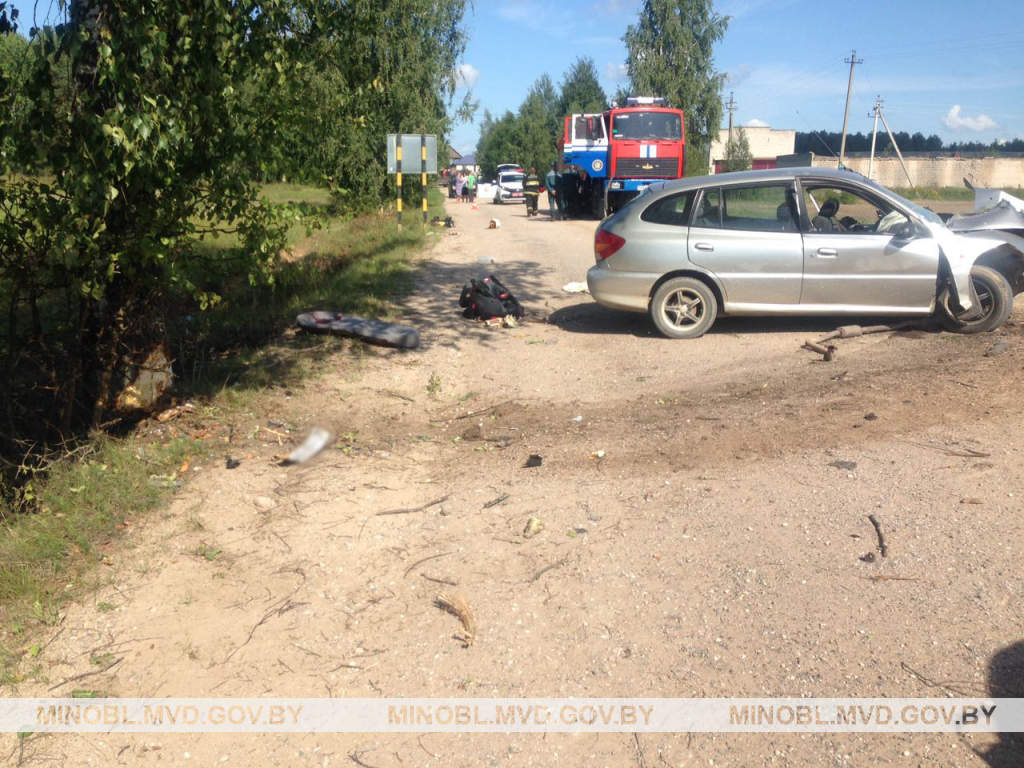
(704, 246)
(827, 253)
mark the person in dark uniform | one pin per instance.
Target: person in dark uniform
(553, 182)
(531, 188)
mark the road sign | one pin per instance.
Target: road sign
(411, 161)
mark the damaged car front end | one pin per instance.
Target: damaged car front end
(984, 251)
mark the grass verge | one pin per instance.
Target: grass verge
(81, 503)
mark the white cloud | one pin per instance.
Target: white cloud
(615, 72)
(956, 121)
(513, 10)
(755, 123)
(739, 76)
(468, 75)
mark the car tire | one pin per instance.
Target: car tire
(994, 294)
(684, 308)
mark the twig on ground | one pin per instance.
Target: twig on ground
(886, 577)
(84, 675)
(419, 740)
(433, 503)
(282, 608)
(356, 757)
(929, 682)
(449, 582)
(412, 567)
(496, 502)
(551, 567)
(471, 414)
(641, 759)
(883, 548)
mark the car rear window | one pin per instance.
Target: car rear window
(674, 210)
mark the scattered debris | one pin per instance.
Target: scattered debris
(883, 548)
(577, 419)
(997, 349)
(533, 527)
(575, 288)
(230, 463)
(841, 464)
(494, 224)
(496, 502)
(597, 455)
(317, 440)
(264, 503)
(871, 416)
(972, 501)
(433, 503)
(886, 577)
(459, 606)
(173, 413)
(471, 414)
(535, 460)
(868, 558)
(828, 352)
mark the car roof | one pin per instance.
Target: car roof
(772, 174)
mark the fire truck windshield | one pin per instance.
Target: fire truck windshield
(645, 126)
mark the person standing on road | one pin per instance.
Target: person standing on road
(471, 186)
(531, 188)
(553, 181)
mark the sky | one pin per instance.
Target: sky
(946, 67)
(949, 67)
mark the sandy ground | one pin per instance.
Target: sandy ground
(714, 550)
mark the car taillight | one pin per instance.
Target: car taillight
(606, 243)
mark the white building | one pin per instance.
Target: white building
(766, 144)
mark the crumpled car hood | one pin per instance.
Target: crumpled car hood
(993, 209)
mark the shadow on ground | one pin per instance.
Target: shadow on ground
(434, 306)
(1006, 681)
(594, 318)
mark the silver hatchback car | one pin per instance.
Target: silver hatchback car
(799, 241)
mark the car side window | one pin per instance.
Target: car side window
(841, 211)
(674, 210)
(768, 208)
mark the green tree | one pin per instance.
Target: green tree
(670, 53)
(539, 121)
(737, 151)
(581, 90)
(501, 141)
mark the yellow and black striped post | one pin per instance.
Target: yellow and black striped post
(398, 169)
(423, 159)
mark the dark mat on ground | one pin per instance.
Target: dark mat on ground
(373, 331)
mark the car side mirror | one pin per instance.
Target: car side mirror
(906, 231)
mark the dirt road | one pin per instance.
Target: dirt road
(717, 548)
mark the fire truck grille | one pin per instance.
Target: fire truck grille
(647, 167)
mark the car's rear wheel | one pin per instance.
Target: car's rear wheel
(995, 297)
(683, 308)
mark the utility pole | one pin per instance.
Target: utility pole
(732, 108)
(853, 61)
(874, 132)
(892, 138)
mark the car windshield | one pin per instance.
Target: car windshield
(511, 177)
(924, 213)
(640, 126)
